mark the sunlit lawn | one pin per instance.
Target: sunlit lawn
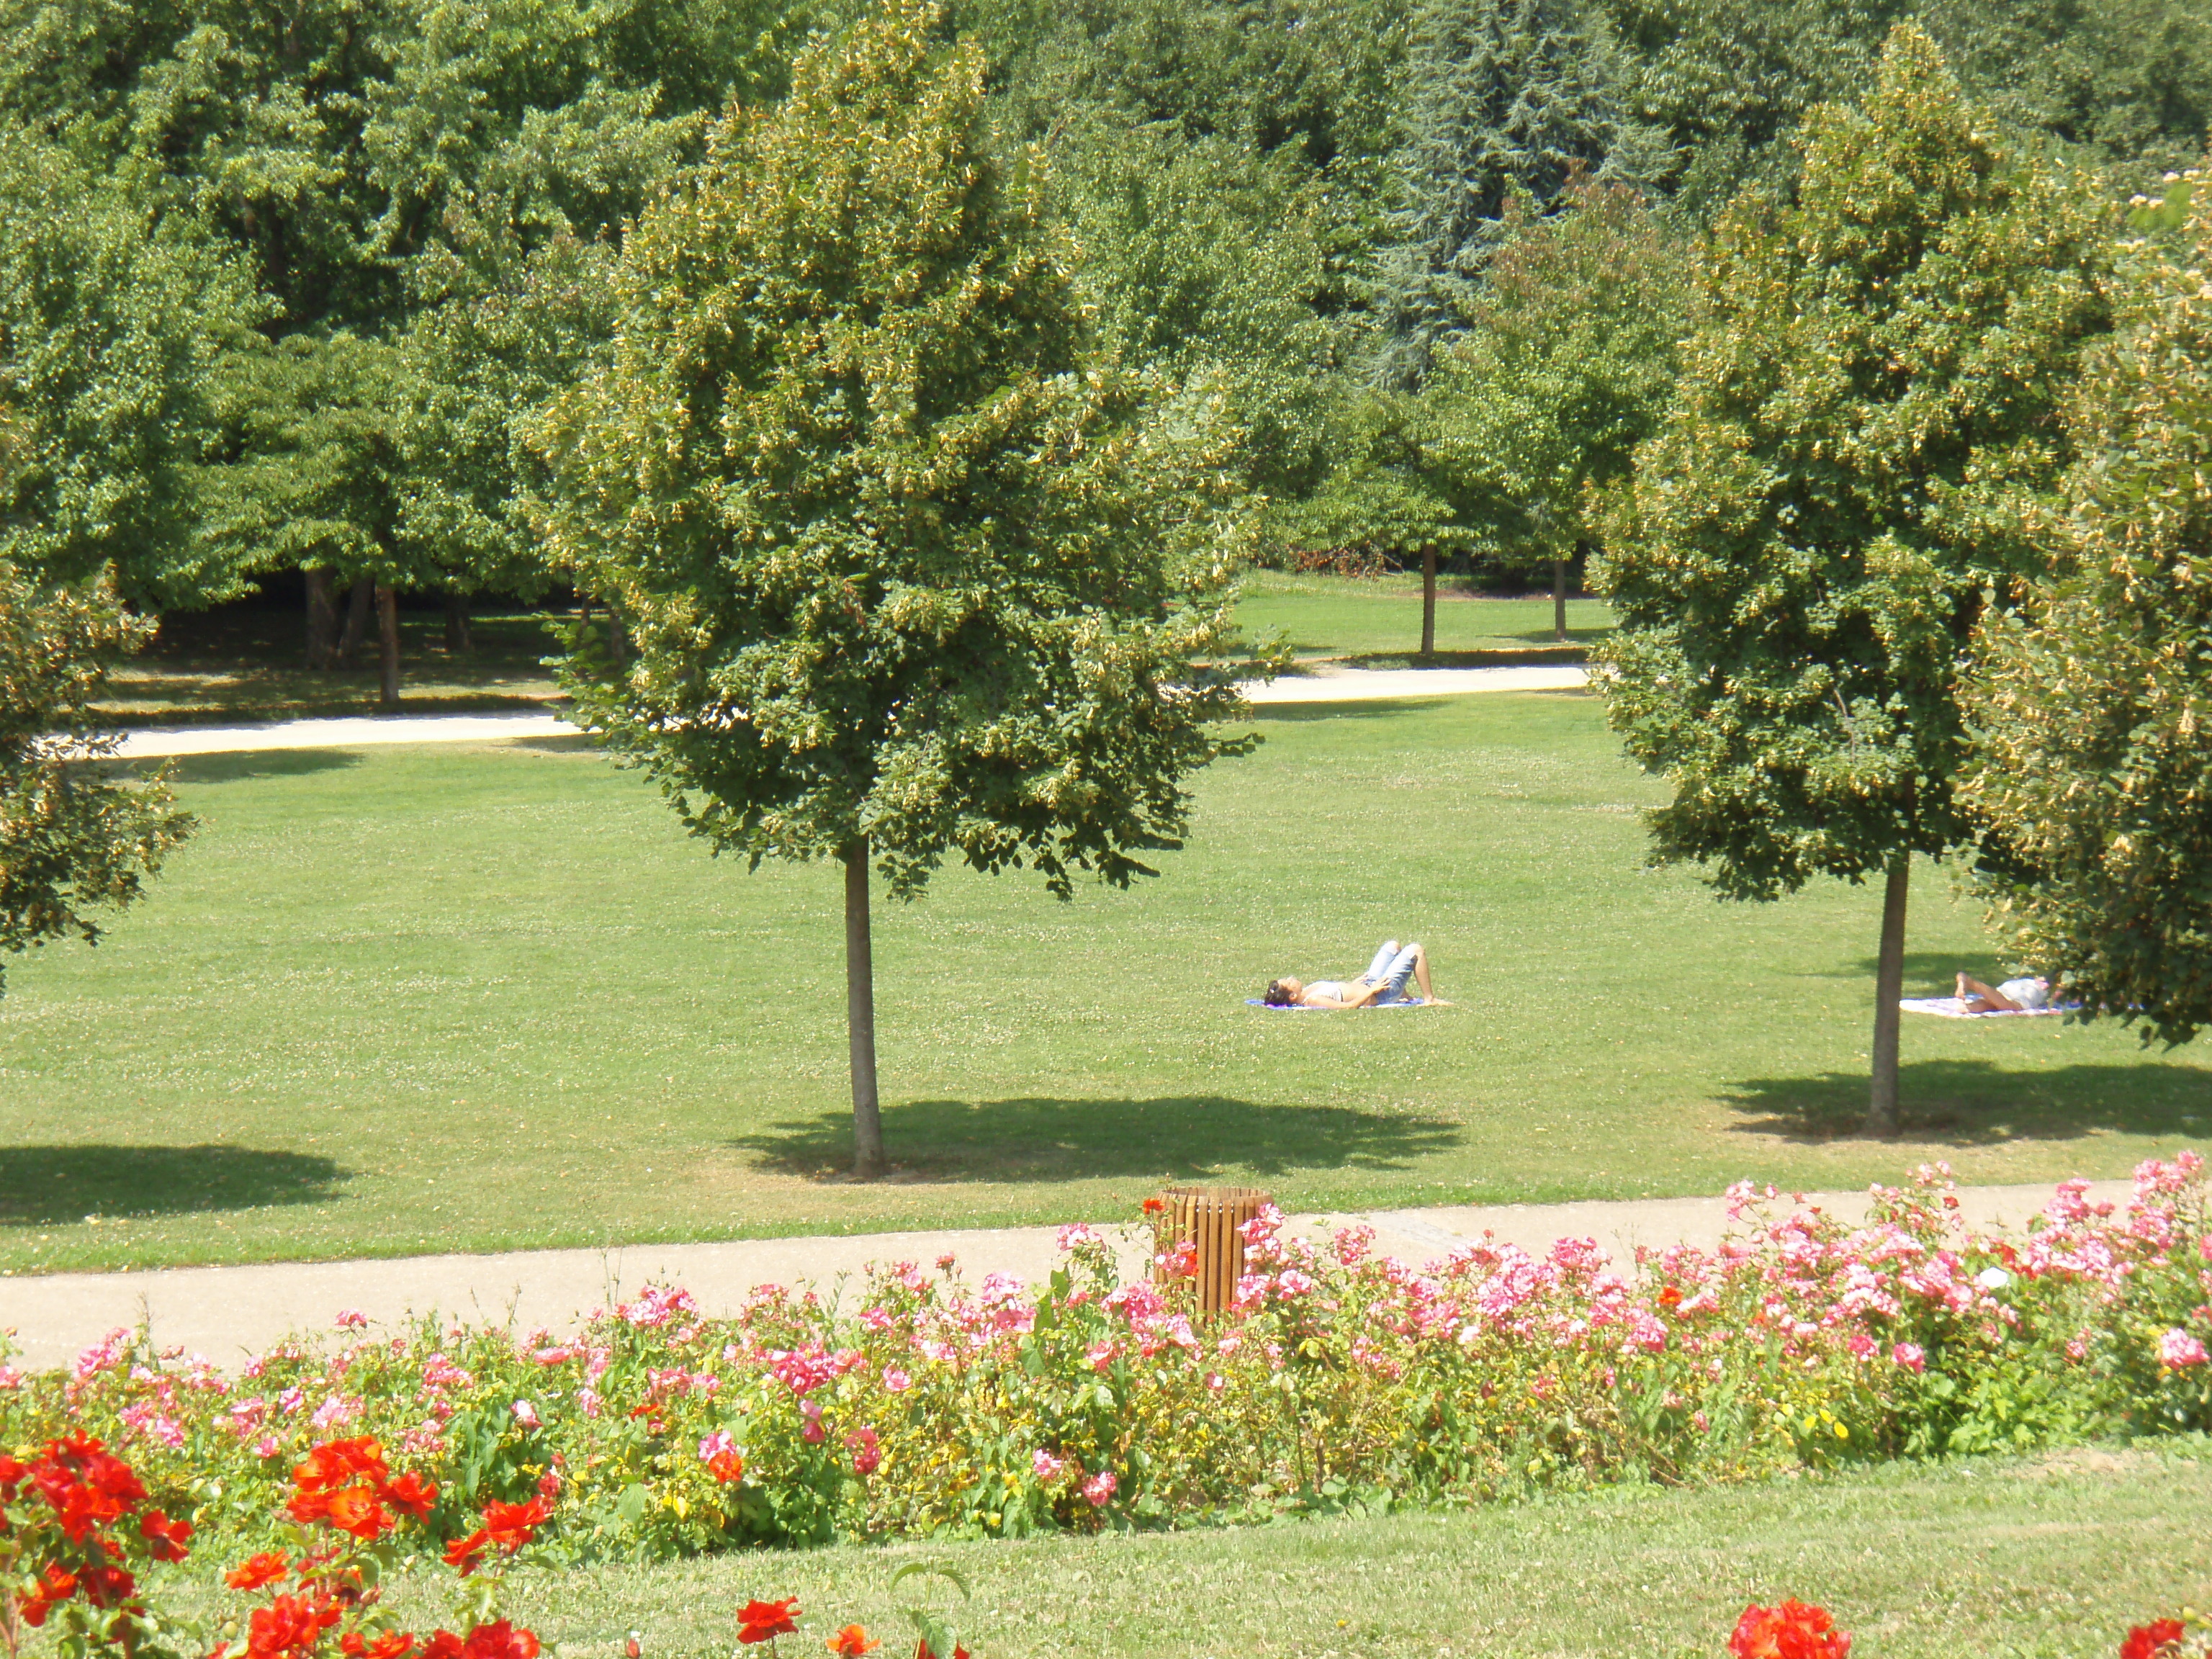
(2053, 1558)
(479, 998)
(1325, 615)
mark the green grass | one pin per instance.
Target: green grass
(1380, 617)
(241, 663)
(2053, 1558)
(461, 998)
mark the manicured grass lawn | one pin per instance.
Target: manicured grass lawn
(245, 664)
(2053, 1558)
(1352, 617)
(398, 1000)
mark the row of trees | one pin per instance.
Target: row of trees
(282, 287)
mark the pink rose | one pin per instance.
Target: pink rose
(895, 1381)
(1046, 1465)
(1099, 1488)
(1909, 1355)
(2178, 1350)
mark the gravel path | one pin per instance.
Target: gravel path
(1328, 683)
(226, 1313)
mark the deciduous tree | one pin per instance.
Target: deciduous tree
(2092, 703)
(1567, 363)
(909, 573)
(1866, 410)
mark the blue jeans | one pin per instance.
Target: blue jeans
(1391, 968)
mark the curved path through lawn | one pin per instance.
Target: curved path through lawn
(1323, 684)
(226, 1313)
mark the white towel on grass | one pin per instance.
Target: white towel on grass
(1955, 1008)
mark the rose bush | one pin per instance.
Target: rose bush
(927, 1406)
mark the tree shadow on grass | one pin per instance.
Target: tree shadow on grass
(43, 1186)
(262, 763)
(1188, 1138)
(1292, 713)
(1976, 1103)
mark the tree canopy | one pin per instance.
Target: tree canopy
(909, 572)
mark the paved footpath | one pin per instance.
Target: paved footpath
(226, 1313)
(1326, 684)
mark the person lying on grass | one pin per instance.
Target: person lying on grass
(1383, 984)
(2014, 996)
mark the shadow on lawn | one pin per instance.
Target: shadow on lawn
(44, 1186)
(266, 764)
(1976, 1103)
(1191, 1138)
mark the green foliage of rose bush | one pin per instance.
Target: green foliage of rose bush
(915, 1405)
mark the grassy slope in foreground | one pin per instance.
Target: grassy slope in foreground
(2047, 1559)
(394, 1001)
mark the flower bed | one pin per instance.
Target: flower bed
(924, 1405)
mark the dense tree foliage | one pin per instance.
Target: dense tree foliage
(1567, 363)
(72, 841)
(2094, 701)
(909, 572)
(1868, 409)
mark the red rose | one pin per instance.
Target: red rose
(759, 1620)
(168, 1537)
(256, 1570)
(2153, 1640)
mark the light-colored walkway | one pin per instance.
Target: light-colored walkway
(1326, 684)
(226, 1313)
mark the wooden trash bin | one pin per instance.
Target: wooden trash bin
(1208, 1218)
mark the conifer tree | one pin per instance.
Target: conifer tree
(909, 574)
(1868, 409)
(1503, 100)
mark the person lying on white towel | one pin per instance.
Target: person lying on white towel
(2014, 996)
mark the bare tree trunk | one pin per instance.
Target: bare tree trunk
(322, 618)
(860, 1016)
(387, 656)
(1560, 601)
(1888, 987)
(617, 639)
(456, 623)
(1429, 600)
(356, 623)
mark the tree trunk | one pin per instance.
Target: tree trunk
(322, 618)
(1429, 600)
(617, 639)
(356, 623)
(1888, 987)
(456, 623)
(1560, 601)
(860, 1016)
(387, 655)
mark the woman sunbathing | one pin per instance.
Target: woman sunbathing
(1383, 984)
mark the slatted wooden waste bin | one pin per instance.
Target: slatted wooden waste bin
(1209, 1217)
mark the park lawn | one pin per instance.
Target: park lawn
(1380, 617)
(400, 999)
(2053, 1559)
(243, 663)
